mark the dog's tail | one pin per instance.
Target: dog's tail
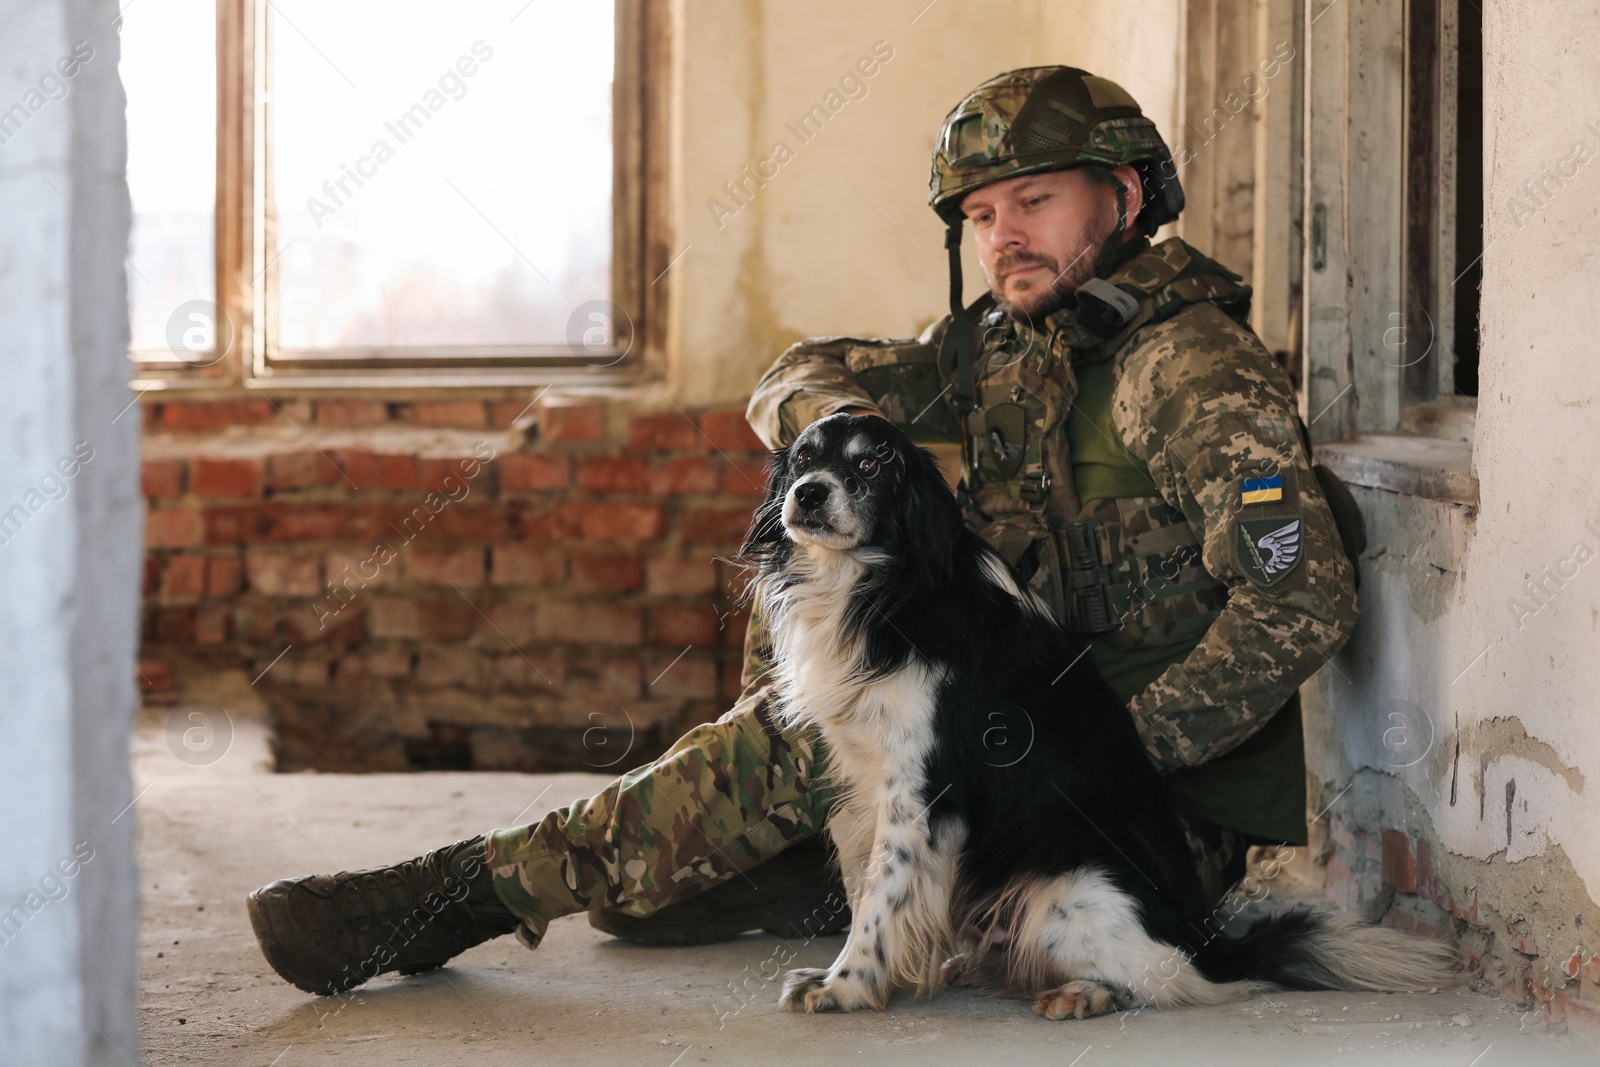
(1308, 949)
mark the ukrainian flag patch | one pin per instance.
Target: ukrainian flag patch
(1261, 490)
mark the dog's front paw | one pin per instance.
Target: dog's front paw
(1076, 1000)
(811, 990)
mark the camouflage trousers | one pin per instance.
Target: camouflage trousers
(725, 798)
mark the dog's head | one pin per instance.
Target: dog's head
(855, 483)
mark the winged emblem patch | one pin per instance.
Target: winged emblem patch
(1269, 549)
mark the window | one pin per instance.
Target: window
(172, 174)
(1392, 157)
(340, 195)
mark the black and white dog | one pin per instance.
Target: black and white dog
(997, 816)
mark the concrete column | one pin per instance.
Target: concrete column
(70, 542)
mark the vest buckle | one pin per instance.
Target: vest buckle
(1035, 487)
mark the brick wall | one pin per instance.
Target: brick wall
(413, 586)
(1400, 876)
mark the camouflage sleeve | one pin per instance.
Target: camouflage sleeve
(898, 378)
(1204, 405)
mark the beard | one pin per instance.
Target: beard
(1041, 295)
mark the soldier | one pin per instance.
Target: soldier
(1127, 445)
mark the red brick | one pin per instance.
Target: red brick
(155, 677)
(284, 573)
(1399, 863)
(175, 626)
(253, 412)
(205, 415)
(301, 470)
(729, 432)
(502, 413)
(184, 576)
(523, 471)
(680, 577)
(379, 470)
(563, 421)
(524, 564)
(226, 477)
(470, 414)
(607, 572)
(211, 624)
(352, 570)
(486, 521)
(732, 687)
(463, 567)
(352, 412)
(456, 478)
(714, 525)
(451, 666)
(612, 474)
(664, 431)
(745, 478)
(597, 519)
(688, 678)
(677, 625)
(731, 627)
(386, 664)
(689, 474)
(513, 623)
(451, 617)
(194, 417)
(162, 477)
(179, 528)
(589, 623)
(152, 575)
(223, 575)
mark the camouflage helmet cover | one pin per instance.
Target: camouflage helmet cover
(1049, 118)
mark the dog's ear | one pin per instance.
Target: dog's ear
(766, 525)
(930, 518)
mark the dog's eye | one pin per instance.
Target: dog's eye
(802, 458)
(868, 466)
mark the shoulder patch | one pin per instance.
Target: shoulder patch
(1268, 550)
(1261, 490)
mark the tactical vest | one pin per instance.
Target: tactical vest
(1128, 567)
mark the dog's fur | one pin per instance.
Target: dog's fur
(998, 817)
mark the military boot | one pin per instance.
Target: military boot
(330, 932)
(796, 894)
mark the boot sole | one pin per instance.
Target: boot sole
(272, 950)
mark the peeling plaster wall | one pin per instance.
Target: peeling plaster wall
(1467, 698)
(69, 549)
(841, 240)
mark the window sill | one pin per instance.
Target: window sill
(1432, 468)
(401, 384)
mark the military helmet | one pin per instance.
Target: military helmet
(1049, 118)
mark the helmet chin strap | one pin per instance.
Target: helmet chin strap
(955, 351)
(1109, 249)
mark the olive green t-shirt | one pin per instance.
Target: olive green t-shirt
(1257, 788)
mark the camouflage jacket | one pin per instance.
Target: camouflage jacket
(1202, 420)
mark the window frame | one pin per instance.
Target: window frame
(244, 230)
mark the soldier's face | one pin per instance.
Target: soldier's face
(1037, 235)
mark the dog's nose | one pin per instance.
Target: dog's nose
(811, 495)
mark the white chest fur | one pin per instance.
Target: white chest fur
(877, 731)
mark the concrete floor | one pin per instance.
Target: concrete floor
(211, 831)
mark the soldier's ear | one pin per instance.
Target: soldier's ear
(766, 525)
